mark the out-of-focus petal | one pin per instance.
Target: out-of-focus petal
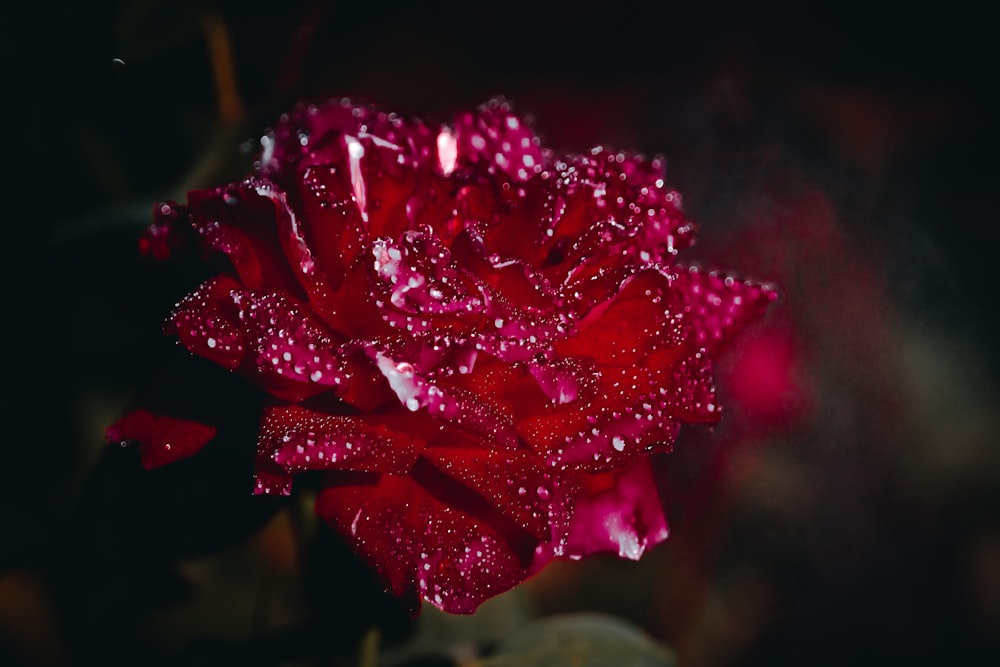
(162, 439)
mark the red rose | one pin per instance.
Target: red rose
(479, 342)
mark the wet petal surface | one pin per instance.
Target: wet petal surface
(472, 343)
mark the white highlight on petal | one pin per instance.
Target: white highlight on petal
(356, 151)
(354, 524)
(405, 385)
(447, 145)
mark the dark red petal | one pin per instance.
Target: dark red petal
(171, 231)
(299, 439)
(513, 222)
(331, 220)
(206, 323)
(635, 324)
(417, 392)
(419, 545)
(434, 203)
(241, 223)
(162, 439)
(601, 432)
(624, 412)
(336, 230)
(289, 352)
(515, 482)
(364, 177)
(567, 380)
(267, 336)
(510, 389)
(619, 512)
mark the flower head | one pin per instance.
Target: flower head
(478, 342)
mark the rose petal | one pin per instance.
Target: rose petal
(205, 322)
(416, 392)
(513, 481)
(288, 351)
(627, 329)
(419, 545)
(619, 512)
(241, 223)
(418, 277)
(717, 306)
(495, 139)
(298, 133)
(162, 439)
(292, 349)
(299, 439)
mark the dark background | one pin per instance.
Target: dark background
(844, 150)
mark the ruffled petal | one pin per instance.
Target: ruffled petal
(478, 343)
(626, 330)
(422, 288)
(300, 132)
(416, 392)
(239, 222)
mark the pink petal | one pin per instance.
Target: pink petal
(718, 306)
(494, 139)
(619, 512)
